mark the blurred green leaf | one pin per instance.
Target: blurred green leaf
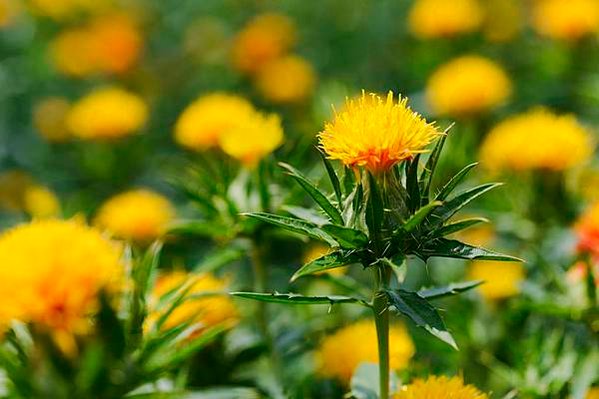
(347, 237)
(296, 299)
(458, 226)
(295, 225)
(449, 290)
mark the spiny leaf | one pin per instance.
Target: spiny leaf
(316, 195)
(426, 177)
(295, 225)
(448, 290)
(346, 237)
(458, 226)
(421, 312)
(445, 248)
(451, 207)
(296, 299)
(454, 181)
(333, 178)
(327, 262)
(420, 215)
(412, 184)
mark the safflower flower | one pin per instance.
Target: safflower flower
(440, 388)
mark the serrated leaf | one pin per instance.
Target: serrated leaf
(347, 237)
(454, 181)
(451, 207)
(295, 225)
(333, 178)
(426, 177)
(296, 299)
(417, 218)
(316, 195)
(412, 184)
(446, 248)
(421, 312)
(329, 261)
(448, 290)
(457, 226)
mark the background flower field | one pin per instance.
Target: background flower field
(157, 156)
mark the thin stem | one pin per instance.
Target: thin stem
(260, 278)
(380, 308)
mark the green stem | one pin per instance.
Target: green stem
(380, 308)
(260, 278)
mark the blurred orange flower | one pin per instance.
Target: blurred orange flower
(288, 79)
(263, 39)
(587, 229)
(566, 19)
(441, 18)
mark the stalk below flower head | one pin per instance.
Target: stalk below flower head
(376, 133)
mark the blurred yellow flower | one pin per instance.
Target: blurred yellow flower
(441, 18)
(263, 39)
(207, 118)
(566, 19)
(253, 138)
(342, 352)
(593, 393)
(8, 11)
(288, 79)
(51, 272)
(207, 303)
(537, 139)
(467, 85)
(40, 202)
(504, 19)
(502, 279)
(440, 388)
(50, 118)
(376, 133)
(63, 9)
(138, 215)
(109, 43)
(107, 113)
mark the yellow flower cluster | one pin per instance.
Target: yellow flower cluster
(50, 118)
(538, 139)
(51, 272)
(566, 19)
(440, 388)
(501, 279)
(376, 133)
(107, 113)
(108, 44)
(206, 305)
(137, 215)
(441, 18)
(467, 85)
(233, 124)
(260, 50)
(342, 352)
(20, 193)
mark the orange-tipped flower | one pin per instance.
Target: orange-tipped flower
(440, 388)
(587, 229)
(376, 133)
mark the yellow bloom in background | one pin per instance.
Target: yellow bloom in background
(288, 79)
(440, 388)
(107, 113)
(9, 10)
(593, 393)
(502, 279)
(50, 118)
(376, 133)
(441, 18)
(40, 202)
(109, 43)
(51, 272)
(263, 39)
(138, 215)
(253, 138)
(467, 85)
(207, 304)
(538, 139)
(342, 352)
(504, 19)
(565, 19)
(206, 119)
